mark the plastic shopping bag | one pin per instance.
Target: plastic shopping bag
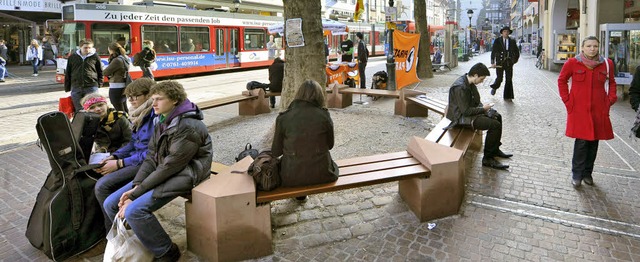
(66, 106)
(124, 245)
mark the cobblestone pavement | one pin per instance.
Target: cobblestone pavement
(530, 212)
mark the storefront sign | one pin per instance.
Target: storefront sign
(50, 6)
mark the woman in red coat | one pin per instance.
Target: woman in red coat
(588, 102)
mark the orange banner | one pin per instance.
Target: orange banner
(405, 48)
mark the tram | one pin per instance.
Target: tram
(185, 41)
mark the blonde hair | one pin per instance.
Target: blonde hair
(311, 91)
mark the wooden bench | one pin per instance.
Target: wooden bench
(412, 103)
(429, 103)
(227, 219)
(251, 102)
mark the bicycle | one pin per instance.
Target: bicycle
(540, 61)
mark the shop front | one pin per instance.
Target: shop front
(23, 20)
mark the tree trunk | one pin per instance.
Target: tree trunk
(308, 61)
(424, 54)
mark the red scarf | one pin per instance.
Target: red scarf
(591, 64)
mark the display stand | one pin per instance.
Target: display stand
(565, 46)
(621, 43)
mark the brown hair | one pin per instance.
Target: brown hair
(117, 51)
(141, 86)
(590, 38)
(86, 41)
(172, 89)
(312, 92)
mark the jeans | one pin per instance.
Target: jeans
(508, 85)
(118, 99)
(35, 63)
(494, 133)
(363, 78)
(139, 215)
(146, 71)
(77, 93)
(584, 156)
(3, 72)
(109, 183)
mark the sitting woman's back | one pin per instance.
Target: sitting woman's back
(303, 137)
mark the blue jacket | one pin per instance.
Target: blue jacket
(135, 151)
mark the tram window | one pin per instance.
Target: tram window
(194, 39)
(72, 33)
(165, 38)
(219, 42)
(254, 39)
(105, 34)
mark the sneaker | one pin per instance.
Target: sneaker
(1, 80)
(171, 256)
(34, 75)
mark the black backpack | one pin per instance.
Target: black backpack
(248, 151)
(255, 85)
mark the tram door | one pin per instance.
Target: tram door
(228, 47)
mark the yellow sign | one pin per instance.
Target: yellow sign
(405, 51)
(392, 25)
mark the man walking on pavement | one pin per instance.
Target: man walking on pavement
(5, 58)
(83, 74)
(466, 110)
(504, 55)
(363, 57)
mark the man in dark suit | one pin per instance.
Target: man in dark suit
(504, 55)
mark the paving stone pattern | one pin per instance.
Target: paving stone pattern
(530, 212)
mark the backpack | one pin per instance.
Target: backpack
(265, 171)
(255, 85)
(248, 151)
(137, 59)
(127, 77)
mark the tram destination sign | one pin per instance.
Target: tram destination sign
(129, 16)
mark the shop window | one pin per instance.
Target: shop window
(165, 38)
(105, 34)
(194, 39)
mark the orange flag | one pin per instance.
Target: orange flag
(359, 10)
(405, 48)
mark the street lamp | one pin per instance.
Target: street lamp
(470, 15)
(236, 4)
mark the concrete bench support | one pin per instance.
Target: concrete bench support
(441, 194)
(407, 108)
(337, 100)
(223, 221)
(254, 107)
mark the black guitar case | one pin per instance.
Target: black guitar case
(66, 219)
(85, 127)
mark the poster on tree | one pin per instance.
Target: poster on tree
(293, 32)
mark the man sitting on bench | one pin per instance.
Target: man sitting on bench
(466, 110)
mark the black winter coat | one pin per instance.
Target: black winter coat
(81, 73)
(276, 75)
(179, 158)
(303, 137)
(464, 103)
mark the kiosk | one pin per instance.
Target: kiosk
(621, 43)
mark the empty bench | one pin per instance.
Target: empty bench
(227, 219)
(252, 102)
(440, 66)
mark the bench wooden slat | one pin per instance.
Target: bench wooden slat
(379, 166)
(346, 182)
(464, 139)
(372, 92)
(450, 137)
(268, 94)
(437, 131)
(430, 104)
(372, 159)
(223, 101)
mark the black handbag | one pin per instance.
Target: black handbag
(248, 151)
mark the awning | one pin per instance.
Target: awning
(330, 25)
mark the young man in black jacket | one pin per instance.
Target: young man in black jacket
(84, 73)
(465, 109)
(363, 57)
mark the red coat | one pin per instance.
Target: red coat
(586, 102)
